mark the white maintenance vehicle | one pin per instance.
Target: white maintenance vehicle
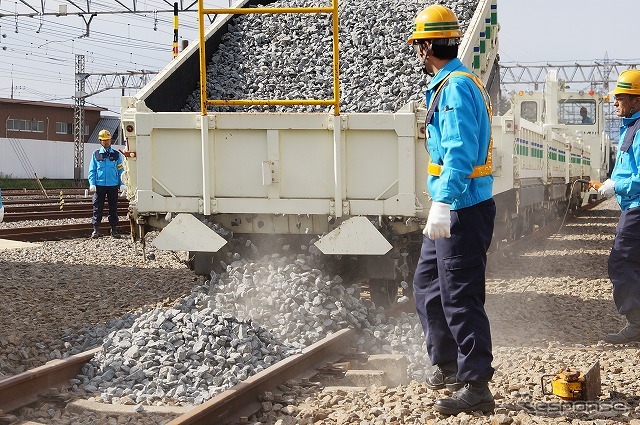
(355, 182)
(545, 142)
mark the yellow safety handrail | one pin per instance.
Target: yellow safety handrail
(204, 102)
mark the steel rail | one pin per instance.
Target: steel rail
(240, 400)
(55, 201)
(45, 201)
(35, 206)
(243, 398)
(84, 212)
(23, 389)
(51, 205)
(55, 232)
(54, 192)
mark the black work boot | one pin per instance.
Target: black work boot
(630, 333)
(114, 233)
(95, 234)
(445, 375)
(474, 396)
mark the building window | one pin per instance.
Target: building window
(67, 128)
(25, 125)
(64, 128)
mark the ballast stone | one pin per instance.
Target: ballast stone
(225, 332)
(289, 56)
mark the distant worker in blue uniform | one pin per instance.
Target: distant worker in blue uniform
(585, 116)
(624, 259)
(105, 179)
(449, 283)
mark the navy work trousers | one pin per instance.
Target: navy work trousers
(624, 262)
(449, 289)
(111, 193)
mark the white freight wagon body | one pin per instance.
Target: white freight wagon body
(278, 163)
(291, 173)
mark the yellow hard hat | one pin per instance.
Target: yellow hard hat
(628, 82)
(104, 135)
(436, 21)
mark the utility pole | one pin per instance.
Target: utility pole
(78, 121)
(86, 87)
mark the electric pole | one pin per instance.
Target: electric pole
(78, 120)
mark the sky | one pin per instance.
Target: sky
(540, 31)
(37, 56)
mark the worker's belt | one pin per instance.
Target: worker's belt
(480, 170)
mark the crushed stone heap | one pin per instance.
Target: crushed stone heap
(289, 56)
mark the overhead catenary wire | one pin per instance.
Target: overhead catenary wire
(63, 29)
(101, 38)
(49, 45)
(23, 158)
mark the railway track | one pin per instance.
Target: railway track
(53, 212)
(17, 210)
(43, 201)
(51, 193)
(327, 361)
(55, 232)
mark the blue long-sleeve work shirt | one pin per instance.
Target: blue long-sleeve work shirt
(458, 139)
(106, 168)
(625, 172)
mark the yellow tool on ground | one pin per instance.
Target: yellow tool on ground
(571, 384)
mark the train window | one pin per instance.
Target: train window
(529, 111)
(577, 111)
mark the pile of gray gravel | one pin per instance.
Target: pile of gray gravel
(289, 56)
(64, 297)
(299, 302)
(185, 354)
(241, 322)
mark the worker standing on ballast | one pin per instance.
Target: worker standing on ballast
(105, 178)
(449, 283)
(624, 259)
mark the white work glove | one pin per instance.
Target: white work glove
(123, 188)
(439, 221)
(92, 188)
(607, 189)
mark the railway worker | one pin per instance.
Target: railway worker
(105, 178)
(585, 116)
(449, 282)
(624, 260)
